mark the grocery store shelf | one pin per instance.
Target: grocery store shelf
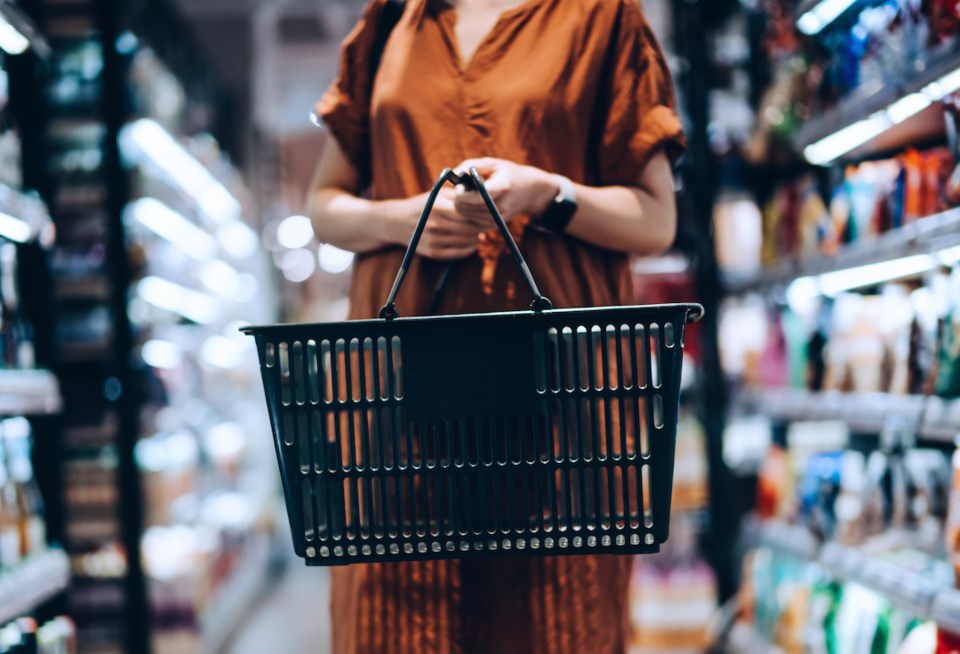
(24, 217)
(32, 583)
(917, 591)
(742, 639)
(250, 579)
(935, 419)
(15, 17)
(29, 392)
(925, 236)
(90, 288)
(879, 130)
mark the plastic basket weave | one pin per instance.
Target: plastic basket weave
(540, 432)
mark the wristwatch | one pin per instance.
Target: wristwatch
(560, 212)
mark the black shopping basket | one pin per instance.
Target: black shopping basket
(538, 432)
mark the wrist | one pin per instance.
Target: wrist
(392, 220)
(546, 190)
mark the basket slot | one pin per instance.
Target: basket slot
(390, 495)
(581, 371)
(326, 364)
(297, 377)
(669, 335)
(644, 420)
(653, 356)
(379, 507)
(595, 360)
(309, 524)
(289, 433)
(396, 367)
(313, 372)
(322, 510)
(611, 357)
(317, 441)
(591, 507)
(303, 441)
(354, 374)
(634, 493)
(540, 364)
(286, 392)
(369, 391)
(380, 369)
(647, 501)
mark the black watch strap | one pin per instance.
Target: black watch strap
(561, 211)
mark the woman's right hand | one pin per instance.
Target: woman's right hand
(447, 235)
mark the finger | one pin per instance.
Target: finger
(470, 201)
(439, 224)
(475, 217)
(448, 251)
(484, 165)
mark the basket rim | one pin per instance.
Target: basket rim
(692, 313)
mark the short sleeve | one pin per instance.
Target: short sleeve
(641, 117)
(344, 109)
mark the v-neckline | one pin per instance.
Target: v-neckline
(464, 65)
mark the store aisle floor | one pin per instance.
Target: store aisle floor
(294, 618)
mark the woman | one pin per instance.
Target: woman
(565, 107)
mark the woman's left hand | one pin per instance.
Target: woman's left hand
(517, 190)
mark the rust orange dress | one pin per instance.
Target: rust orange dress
(575, 87)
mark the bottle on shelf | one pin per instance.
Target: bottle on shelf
(28, 636)
(33, 530)
(10, 549)
(15, 330)
(952, 526)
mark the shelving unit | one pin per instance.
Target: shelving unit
(742, 639)
(935, 419)
(912, 590)
(24, 217)
(896, 125)
(928, 236)
(894, 109)
(32, 583)
(29, 393)
(234, 599)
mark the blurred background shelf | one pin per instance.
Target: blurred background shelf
(927, 236)
(29, 392)
(871, 114)
(915, 588)
(742, 639)
(32, 583)
(935, 419)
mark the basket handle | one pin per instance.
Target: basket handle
(471, 180)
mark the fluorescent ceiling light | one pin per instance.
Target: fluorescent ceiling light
(298, 265)
(14, 228)
(849, 138)
(830, 148)
(222, 352)
(186, 302)
(11, 40)
(822, 15)
(147, 139)
(849, 279)
(161, 354)
(295, 232)
(238, 239)
(221, 278)
(333, 259)
(173, 227)
(907, 107)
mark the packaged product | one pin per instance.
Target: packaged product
(948, 347)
